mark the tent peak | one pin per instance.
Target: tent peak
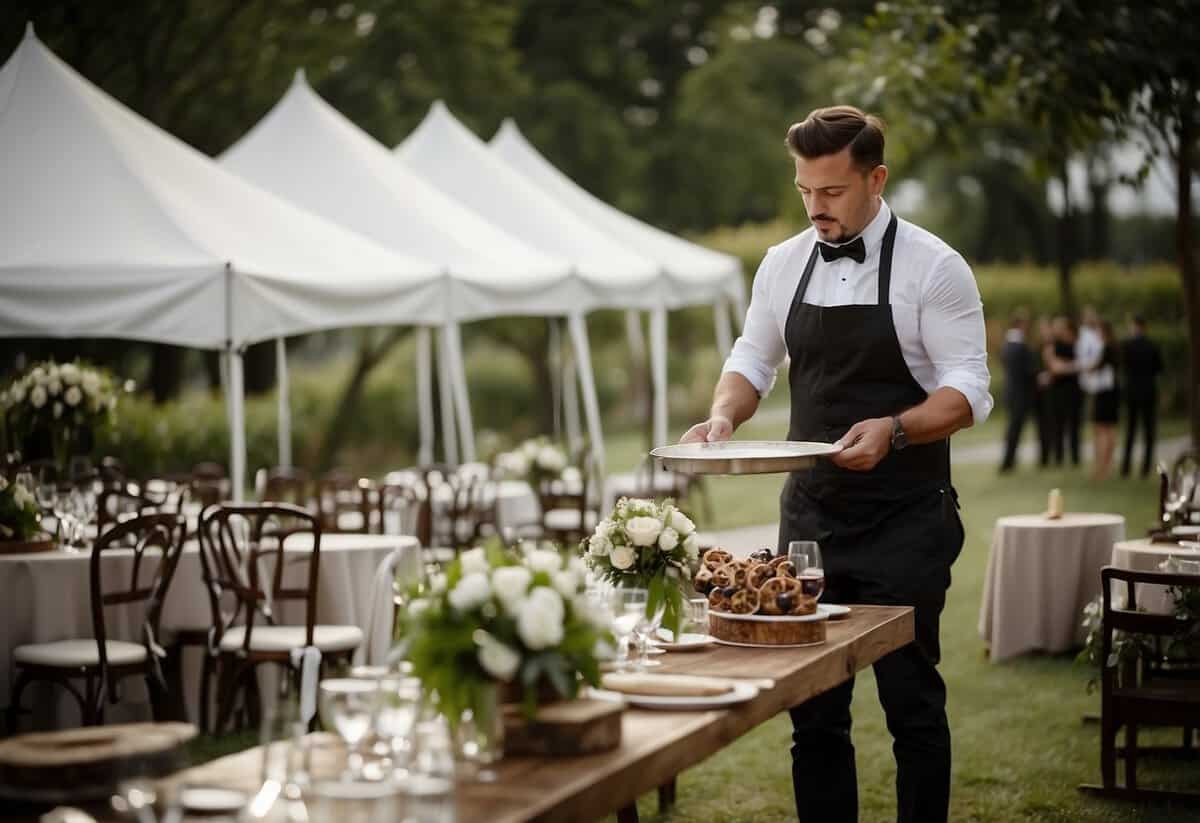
(299, 79)
(29, 33)
(509, 125)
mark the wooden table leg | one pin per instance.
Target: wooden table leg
(629, 814)
(666, 796)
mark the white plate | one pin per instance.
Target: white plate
(686, 642)
(1186, 531)
(834, 610)
(212, 800)
(740, 694)
(824, 612)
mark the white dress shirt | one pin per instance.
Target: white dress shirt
(935, 306)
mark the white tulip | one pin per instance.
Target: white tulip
(54, 385)
(69, 373)
(38, 396)
(474, 561)
(510, 584)
(73, 395)
(540, 619)
(622, 557)
(681, 523)
(497, 659)
(643, 531)
(91, 383)
(544, 560)
(472, 591)
(668, 539)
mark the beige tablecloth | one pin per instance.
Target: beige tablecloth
(47, 597)
(1040, 574)
(1143, 555)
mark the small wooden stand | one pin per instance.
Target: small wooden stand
(777, 632)
(567, 727)
(40, 543)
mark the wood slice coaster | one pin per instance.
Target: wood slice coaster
(41, 543)
(567, 727)
(756, 630)
(89, 762)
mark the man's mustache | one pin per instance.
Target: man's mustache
(821, 217)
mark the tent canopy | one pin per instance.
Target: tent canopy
(449, 155)
(114, 228)
(697, 275)
(309, 153)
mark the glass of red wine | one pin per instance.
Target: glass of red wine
(805, 557)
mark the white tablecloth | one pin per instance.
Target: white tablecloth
(47, 597)
(1142, 555)
(1040, 575)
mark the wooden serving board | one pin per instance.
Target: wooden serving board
(568, 727)
(777, 632)
(90, 761)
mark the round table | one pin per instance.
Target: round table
(48, 598)
(1143, 555)
(1040, 574)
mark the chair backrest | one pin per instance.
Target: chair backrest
(403, 509)
(143, 535)
(339, 493)
(120, 501)
(243, 553)
(284, 484)
(1161, 628)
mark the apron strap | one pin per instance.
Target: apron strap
(805, 279)
(885, 262)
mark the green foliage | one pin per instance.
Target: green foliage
(18, 512)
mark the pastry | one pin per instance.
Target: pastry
(716, 558)
(703, 581)
(784, 595)
(744, 601)
(731, 574)
(783, 567)
(759, 573)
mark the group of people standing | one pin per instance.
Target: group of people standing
(1071, 365)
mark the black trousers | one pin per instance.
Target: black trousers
(1067, 400)
(1018, 411)
(1143, 410)
(912, 572)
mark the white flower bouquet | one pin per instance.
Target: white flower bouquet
(651, 545)
(19, 513)
(498, 619)
(59, 401)
(536, 461)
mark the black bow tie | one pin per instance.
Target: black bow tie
(856, 250)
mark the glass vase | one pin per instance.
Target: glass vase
(480, 735)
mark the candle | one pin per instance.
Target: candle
(1054, 504)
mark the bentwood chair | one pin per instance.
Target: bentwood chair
(152, 543)
(250, 561)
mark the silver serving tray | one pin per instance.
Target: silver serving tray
(742, 456)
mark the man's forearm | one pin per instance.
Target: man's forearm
(942, 414)
(735, 399)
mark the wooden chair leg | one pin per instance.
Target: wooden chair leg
(666, 796)
(629, 814)
(13, 712)
(1131, 736)
(206, 674)
(1108, 753)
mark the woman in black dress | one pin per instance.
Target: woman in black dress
(1105, 404)
(1066, 398)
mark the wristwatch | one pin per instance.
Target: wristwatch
(899, 438)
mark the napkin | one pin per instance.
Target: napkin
(666, 685)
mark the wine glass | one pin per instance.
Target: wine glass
(64, 513)
(646, 628)
(396, 718)
(628, 609)
(696, 611)
(348, 707)
(805, 557)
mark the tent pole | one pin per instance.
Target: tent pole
(571, 404)
(425, 395)
(557, 386)
(658, 354)
(446, 391)
(237, 426)
(285, 402)
(721, 314)
(462, 398)
(587, 382)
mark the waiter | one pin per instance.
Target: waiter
(884, 327)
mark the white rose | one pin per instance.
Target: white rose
(551, 459)
(599, 545)
(472, 591)
(3, 483)
(641, 506)
(497, 659)
(54, 385)
(91, 383)
(566, 583)
(38, 396)
(73, 395)
(643, 531)
(668, 539)
(18, 392)
(681, 523)
(530, 449)
(474, 561)
(437, 583)
(572, 478)
(540, 619)
(58, 408)
(23, 498)
(38, 375)
(622, 557)
(510, 584)
(692, 546)
(544, 560)
(69, 373)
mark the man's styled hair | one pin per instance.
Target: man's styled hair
(829, 130)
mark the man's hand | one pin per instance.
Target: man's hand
(866, 443)
(710, 431)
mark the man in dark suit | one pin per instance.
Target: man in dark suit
(1020, 374)
(1142, 364)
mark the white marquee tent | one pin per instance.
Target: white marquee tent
(693, 274)
(449, 155)
(308, 152)
(113, 228)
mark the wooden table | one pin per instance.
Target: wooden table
(656, 745)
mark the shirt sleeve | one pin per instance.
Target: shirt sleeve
(760, 349)
(953, 333)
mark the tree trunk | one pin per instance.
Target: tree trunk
(166, 371)
(1066, 245)
(259, 368)
(1186, 251)
(368, 358)
(1098, 216)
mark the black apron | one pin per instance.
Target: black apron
(888, 535)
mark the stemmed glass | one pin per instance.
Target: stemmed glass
(348, 707)
(628, 610)
(396, 718)
(1180, 488)
(64, 512)
(696, 612)
(805, 557)
(646, 628)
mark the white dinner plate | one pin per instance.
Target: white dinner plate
(686, 642)
(212, 800)
(740, 693)
(1186, 531)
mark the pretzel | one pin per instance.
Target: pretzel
(744, 601)
(716, 558)
(703, 581)
(731, 574)
(783, 567)
(718, 600)
(759, 573)
(784, 595)
(762, 556)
